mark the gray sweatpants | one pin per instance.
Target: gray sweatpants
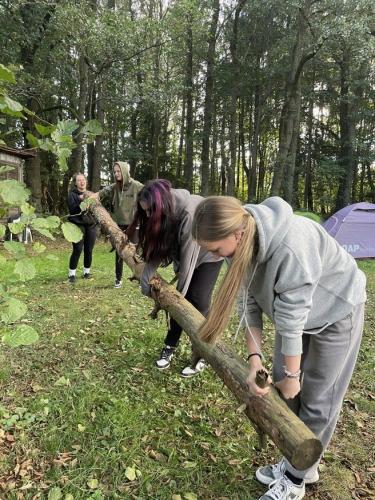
(327, 366)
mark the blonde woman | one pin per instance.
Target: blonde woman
(289, 268)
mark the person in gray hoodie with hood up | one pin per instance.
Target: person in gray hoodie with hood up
(289, 268)
(164, 216)
(120, 197)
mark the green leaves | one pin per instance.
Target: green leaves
(10, 107)
(25, 269)
(15, 248)
(6, 75)
(12, 310)
(45, 226)
(71, 232)
(21, 335)
(13, 192)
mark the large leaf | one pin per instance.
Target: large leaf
(53, 221)
(12, 105)
(32, 140)
(44, 130)
(13, 192)
(92, 127)
(16, 227)
(13, 310)
(71, 232)
(21, 335)
(27, 209)
(6, 75)
(25, 269)
(15, 248)
(43, 226)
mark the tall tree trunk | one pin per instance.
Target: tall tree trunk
(213, 163)
(292, 152)
(308, 202)
(289, 113)
(208, 103)
(252, 178)
(223, 154)
(241, 141)
(188, 174)
(347, 137)
(181, 142)
(98, 150)
(233, 99)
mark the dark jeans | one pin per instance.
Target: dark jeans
(199, 294)
(119, 263)
(87, 244)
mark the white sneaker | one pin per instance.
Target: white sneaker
(284, 489)
(165, 357)
(191, 371)
(269, 473)
(118, 284)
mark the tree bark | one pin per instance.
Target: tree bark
(289, 113)
(208, 103)
(189, 109)
(269, 414)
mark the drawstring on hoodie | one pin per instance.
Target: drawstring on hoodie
(244, 315)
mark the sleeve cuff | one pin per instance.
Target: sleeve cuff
(291, 346)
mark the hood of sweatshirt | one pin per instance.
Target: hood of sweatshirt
(125, 170)
(273, 218)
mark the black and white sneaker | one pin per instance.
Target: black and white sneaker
(87, 276)
(72, 278)
(165, 358)
(191, 371)
(118, 284)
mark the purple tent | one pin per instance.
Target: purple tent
(354, 228)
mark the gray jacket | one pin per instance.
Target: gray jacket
(302, 279)
(191, 255)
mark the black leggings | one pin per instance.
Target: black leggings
(199, 294)
(119, 263)
(87, 244)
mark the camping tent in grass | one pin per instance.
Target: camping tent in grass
(354, 228)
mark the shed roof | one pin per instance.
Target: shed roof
(20, 153)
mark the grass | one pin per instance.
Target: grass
(84, 413)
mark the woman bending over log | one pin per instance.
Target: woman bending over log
(164, 216)
(289, 268)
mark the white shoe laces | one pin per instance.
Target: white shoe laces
(282, 489)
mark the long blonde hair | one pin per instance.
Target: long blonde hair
(216, 218)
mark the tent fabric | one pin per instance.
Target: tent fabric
(354, 228)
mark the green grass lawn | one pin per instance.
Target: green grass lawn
(85, 414)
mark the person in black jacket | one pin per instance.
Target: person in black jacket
(86, 223)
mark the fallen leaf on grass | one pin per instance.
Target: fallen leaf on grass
(130, 473)
(93, 484)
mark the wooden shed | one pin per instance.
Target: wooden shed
(14, 158)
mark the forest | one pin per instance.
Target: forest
(249, 98)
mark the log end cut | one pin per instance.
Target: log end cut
(305, 455)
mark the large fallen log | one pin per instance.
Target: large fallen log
(269, 414)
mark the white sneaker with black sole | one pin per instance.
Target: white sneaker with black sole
(165, 358)
(284, 489)
(269, 473)
(191, 371)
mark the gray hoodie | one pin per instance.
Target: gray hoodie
(191, 255)
(122, 202)
(302, 279)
